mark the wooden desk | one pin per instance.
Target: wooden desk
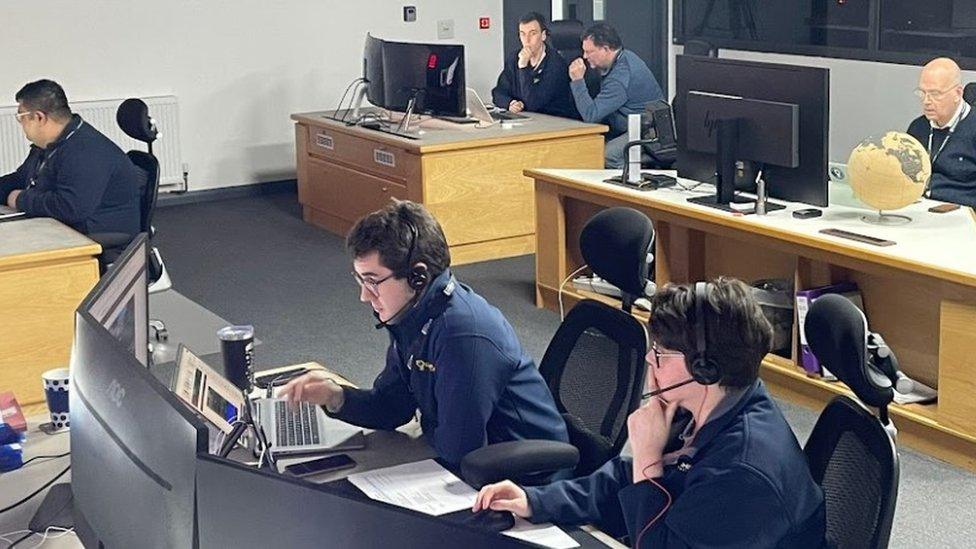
(920, 294)
(46, 269)
(469, 178)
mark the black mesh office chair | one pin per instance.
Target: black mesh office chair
(851, 451)
(565, 36)
(594, 365)
(969, 93)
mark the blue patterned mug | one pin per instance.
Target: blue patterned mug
(56, 385)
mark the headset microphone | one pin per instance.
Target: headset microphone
(407, 305)
(657, 392)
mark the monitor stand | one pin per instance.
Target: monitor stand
(647, 182)
(712, 202)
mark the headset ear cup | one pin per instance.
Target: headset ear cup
(417, 279)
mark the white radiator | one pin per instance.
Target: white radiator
(101, 114)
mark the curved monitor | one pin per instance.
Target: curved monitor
(432, 75)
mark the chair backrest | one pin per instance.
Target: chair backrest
(969, 93)
(595, 369)
(150, 191)
(564, 37)
(854, 460)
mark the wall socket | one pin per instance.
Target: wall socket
(409, 13)
(445, 29)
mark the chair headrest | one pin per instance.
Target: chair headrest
(837, 333)
(615, 244)
(566, 35)
(133, 118)
(969, 93)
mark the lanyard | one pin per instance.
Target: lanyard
(47, 157)
(952, 129)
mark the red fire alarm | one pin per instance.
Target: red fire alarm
(484, 23)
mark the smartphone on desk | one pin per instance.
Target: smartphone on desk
(337, 462)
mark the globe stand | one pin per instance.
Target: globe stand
(887, 219)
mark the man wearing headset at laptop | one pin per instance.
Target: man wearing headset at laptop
(738, 480)
(452, 355)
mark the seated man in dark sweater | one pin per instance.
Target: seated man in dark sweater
(72, 173)
(452, 356)
(738, 477)
(537, 79)
(948, 130)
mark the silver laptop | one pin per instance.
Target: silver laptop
(303, 428)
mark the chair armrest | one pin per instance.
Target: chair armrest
(111, 240)
(517, 459)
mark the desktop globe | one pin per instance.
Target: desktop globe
(889, 173)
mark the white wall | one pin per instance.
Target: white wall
(866, 97)
(239, 68)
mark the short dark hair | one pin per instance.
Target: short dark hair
(46, 96)
(404, 234)
(534, 16)
(737, 334)
(603, 34)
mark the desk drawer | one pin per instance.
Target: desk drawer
(346, 193)
(378, 158)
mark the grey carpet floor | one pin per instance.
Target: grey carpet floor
(253, 260)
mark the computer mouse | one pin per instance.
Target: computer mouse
(492, 521)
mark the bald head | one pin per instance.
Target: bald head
(940, 89)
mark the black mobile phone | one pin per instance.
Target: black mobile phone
(321, 465)
(807, 213)
(280, 378)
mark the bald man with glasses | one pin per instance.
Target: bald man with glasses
(947, 130)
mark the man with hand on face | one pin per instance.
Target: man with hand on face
(452, 356)
(536, 80)
(626, 87)
(948, 131)
(738, 480)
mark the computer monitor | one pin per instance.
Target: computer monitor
(430, 74)
(373, 70)
(133, 443)
(805, 87)
(240, 506)
(120, 300)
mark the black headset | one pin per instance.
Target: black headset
(416, 275)
(703, 370)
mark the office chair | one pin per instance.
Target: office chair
(594, 365)
(851, 451)
(969, 93)
(565, 36)
(133, 118)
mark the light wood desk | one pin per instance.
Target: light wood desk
(920, 294)
(469, 178)
(46, 269)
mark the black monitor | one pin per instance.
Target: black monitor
(430, 74)
(762, 84)
(373, 70)
(120, 300)
(240, 506)
(133, 443)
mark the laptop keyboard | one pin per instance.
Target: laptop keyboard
(297, 425)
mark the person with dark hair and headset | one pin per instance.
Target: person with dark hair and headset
(72, 173)
(734, 477)
(452, 355)
(537, 79)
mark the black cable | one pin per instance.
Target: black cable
(14, 544)
(343, 98)
(35, 492)
(47, 457)
(352, 98)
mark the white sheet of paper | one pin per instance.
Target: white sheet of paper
(423, 486)
(545, 534)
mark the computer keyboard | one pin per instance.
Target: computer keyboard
(297, 424)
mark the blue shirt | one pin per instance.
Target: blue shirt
(625, 89)
(82, 179)
(746, 485)
(469, 378)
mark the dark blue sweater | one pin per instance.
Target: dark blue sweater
(82, 179)
(625, 89)
(470, 378)
(543, 89)
(747, 485)
(954, 169)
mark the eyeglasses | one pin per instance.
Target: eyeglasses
(20, 116)
(934, 95)
(658, 353)
(371, 286)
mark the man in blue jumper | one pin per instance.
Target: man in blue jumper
(738, 479)
(537, 79)
(72, 173)
(948, 131)
(626, 87)
(452, 356)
